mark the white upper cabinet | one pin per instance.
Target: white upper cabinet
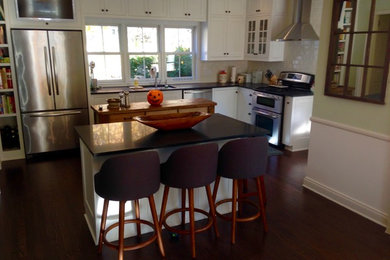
(266, 19)
(192, 10)
(104, 7)
(223, 34)
(255, 7)
(229, 7)
(147, 8)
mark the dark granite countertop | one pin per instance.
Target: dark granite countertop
(103, 139)
(194, 86)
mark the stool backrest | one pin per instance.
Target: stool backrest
(129, 177)
(243, 158)
(191, 167)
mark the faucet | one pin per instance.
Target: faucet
(153, 74)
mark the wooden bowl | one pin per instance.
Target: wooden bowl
(113, 103)
(173, 121)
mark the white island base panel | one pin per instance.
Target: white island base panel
(93, 204)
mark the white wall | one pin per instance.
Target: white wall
(349, 148)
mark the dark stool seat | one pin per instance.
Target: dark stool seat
(188, 168)
(124, 178)
(240, 160)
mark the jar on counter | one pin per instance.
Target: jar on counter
(222, 77)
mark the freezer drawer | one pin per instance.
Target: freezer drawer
(52, 131)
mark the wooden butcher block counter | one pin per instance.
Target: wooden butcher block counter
(104, 115)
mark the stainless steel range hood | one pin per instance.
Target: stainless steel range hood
(299, 30)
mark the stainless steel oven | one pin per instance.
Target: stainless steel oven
(270, 102)
(267, 110)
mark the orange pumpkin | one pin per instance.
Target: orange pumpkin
(155, 97)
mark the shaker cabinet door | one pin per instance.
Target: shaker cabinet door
(235, 38)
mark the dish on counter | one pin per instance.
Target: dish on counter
(173, 121)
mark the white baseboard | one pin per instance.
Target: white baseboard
(346, 201)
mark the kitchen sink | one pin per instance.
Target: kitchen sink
(160, 86)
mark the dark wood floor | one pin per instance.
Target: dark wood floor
(41, 217)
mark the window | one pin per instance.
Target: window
(143, 51)
(359, 50)
(178, 52)
(126, 51)
(103, 48)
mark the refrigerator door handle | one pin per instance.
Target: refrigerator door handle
(48, 78)
(54, 114)
(53, 53)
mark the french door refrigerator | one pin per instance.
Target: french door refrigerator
(52, 87)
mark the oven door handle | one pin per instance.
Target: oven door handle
(267, 114)
(267, 96)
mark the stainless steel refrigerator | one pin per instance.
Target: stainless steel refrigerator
(52, 87)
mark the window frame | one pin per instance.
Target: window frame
(193, 53)
(333, 45)
(161, 25)
(114, 81)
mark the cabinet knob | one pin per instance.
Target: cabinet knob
(249, 114)
(227, 53)
(236, 92)
(106, 10)
(250, 95)
(258, 10)
(150, 12)
(249, 104)
(146, 12)
(189, 14)
(102, 10)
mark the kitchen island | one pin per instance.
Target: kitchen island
(101, 141)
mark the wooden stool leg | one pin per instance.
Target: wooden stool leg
(164, 204)
(212, 209)
(215, 190)
(240, 193)
(234, 205)
(192, 220)
(103, 225)
(137, 216)
(261, 204)
(121, 227)
(156, 224)
(183, 206)
(263, 189)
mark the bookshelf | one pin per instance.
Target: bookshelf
(343, 25)
(10, 125)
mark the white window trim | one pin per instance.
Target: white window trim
(194, 51)
(123, 24)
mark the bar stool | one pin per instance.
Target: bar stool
(188, 168)
(124, 178)
(240, 160)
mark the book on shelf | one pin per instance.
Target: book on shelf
(9, 78)
(7, 104)
(2, 16)
(4, 104)
(3, 74)
(2, 34)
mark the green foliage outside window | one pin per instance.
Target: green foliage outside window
(141, 65)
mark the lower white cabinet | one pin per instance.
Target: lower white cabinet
(226, 99)
(296, 122)
(244, 105)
